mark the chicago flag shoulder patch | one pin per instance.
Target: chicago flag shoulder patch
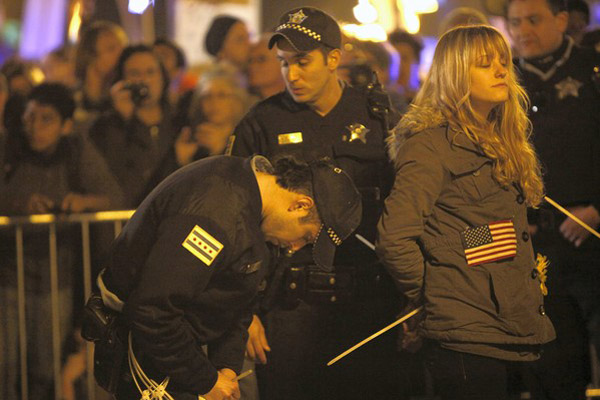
(202, 245)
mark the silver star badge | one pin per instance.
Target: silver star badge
(568, 87)
(358, 132)
(297, 17)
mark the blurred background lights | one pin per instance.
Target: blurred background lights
(364, 12)
(410, 10)
(372, 32)
(423, 6)
(139, 6)
(75, 22)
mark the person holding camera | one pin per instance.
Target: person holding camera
(137, 133)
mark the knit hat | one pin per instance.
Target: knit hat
(216, 34)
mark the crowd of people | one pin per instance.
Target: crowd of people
(440, 162)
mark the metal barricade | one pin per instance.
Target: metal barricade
(52, 221)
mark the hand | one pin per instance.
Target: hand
(74, 202)
(257, 341)
(72, 370)
(121, 100)
(409, 339)
(574, 232)
(533, 229)
(185, 147)
(225, 388)
(212, 137)
(38, 204)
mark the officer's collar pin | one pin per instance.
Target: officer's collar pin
(334, 237)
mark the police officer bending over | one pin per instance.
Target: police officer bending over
(185, 269)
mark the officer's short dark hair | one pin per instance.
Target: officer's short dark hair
(581, 6)
(556, 6)
(325, 50)
(55, 95)
(295, 176)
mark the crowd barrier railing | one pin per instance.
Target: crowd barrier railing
(52, 221)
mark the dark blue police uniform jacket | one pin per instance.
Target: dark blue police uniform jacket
(188, 265)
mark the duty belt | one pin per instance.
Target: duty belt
(314, 286)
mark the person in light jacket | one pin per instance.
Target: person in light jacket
(454, 232)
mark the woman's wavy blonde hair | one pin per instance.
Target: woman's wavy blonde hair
(445, 97)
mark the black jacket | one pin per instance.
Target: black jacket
(279, 125)
(187, 265)
(565, 112)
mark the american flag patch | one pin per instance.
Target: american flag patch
(492, 242)
(202, 245)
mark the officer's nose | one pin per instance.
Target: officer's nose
(292, 73)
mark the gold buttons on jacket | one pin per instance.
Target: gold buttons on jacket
(525, 236)
(542, 310)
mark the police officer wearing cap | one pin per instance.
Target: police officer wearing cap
(563, 83)
(310, 312)
(184, 270)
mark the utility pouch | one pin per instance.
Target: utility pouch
(103, 326)
(330, 287)
(294, 287)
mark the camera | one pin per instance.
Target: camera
(139, 91)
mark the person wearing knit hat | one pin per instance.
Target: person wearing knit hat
(227, 39)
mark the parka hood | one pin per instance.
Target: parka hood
(416, 120)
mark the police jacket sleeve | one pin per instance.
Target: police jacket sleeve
(228, 351)
(249, 137)
(167, 311)
(418, 183)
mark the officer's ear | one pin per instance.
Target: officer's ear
(562, 20)
(67, 126)
(333, 59)
(302, 203)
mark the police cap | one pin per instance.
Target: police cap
(307, 28)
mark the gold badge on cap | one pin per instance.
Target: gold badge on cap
(289, 138)
(358, 132)
(297, 17)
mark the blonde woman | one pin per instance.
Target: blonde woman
(453, 234)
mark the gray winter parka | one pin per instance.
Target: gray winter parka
(443, 186)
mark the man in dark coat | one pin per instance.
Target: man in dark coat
(558, 76)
